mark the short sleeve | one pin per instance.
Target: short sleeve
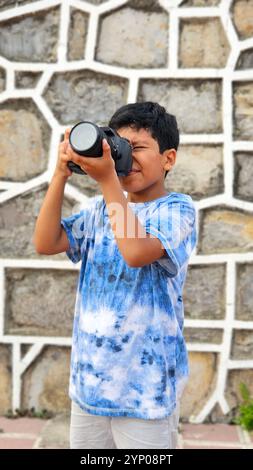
(78, 228)
(173, 223)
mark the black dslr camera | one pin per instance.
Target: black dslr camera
(85, 138)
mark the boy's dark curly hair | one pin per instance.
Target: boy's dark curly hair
(152, 117)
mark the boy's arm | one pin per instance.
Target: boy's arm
(49, 236)
(137, 247)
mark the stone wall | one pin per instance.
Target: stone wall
(62, 61)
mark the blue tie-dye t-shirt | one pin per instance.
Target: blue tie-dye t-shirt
(129, 356)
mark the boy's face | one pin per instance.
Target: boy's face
(148, 182)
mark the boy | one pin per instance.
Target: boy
(129, 359)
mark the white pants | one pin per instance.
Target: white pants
(89, 431)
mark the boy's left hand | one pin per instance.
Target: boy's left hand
(99, 168)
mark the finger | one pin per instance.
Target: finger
(106, 148)
(66, 134)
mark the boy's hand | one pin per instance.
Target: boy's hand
(61, 166)
(99, 168)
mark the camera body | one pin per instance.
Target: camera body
(85, 138)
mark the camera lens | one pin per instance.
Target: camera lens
(83, 137)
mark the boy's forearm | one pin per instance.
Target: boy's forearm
(127, 229)
(48, 225)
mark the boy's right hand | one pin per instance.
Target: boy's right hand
(61, 166)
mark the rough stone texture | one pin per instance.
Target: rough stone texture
(245, 60)
(235, 378)
(86, 184)
(243, 187)
(244, 298)
(40, 302)
(31, 38)
(24, 155)
(55, 435)
(243, 117)
(45, 382)
(203, 43)
(201, 383)
(2, 80)
(203, 335)
(27, 79)
(96, 2)
(200, 3)
(4, 4)
(204, 292)
(198, 171)
(93, 96)
(188, 100)
(225, 231)
(5, 374)
(242, 14)
(17, 223)
(116, 38)
(242, 345)
(78, 28)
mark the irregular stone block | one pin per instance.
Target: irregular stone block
(31, 38)
(203, 369)
(6, 381)
(243, 117)
(27, 79)
(198, 171)
(243, 187)
(40, 302)
(2, 80)
(203, 43)
(235, 378)
(225, 231)
(242, 344)
(17, 224)
(245, 60)
(46, 381)
(88, 185)
(96, 2)
(77, 34)
(242, 14)
(244, 298)
(93, 96)
(188, 100)
(200, 3)
(5, 4)
(204, 292)
(25, 138)
(203, 335)
(148, 33)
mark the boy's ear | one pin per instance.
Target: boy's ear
(169, 156)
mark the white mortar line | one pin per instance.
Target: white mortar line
(16, 190)
(242, 145)
(227, 123)
(133, 89)
(91, 37)
(173, 40)
(63, 32)
(38, 264)
(43, 81)
(240, 364)
(32, 354)
(16, 340)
